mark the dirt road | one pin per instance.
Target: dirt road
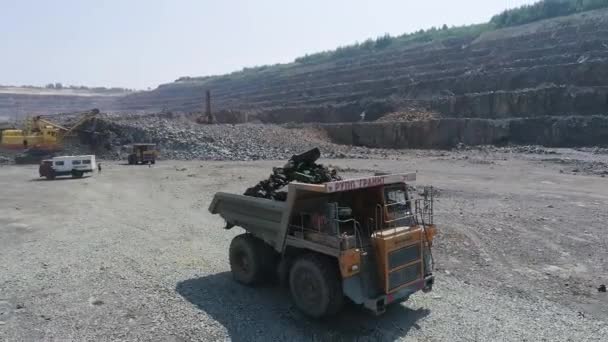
(133, 254)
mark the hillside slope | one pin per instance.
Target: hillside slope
(551, 67)
(22, 101)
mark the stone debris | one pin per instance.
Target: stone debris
(179, 138)
(301, 168)
(523, 149)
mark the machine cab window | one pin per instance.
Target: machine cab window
(397, 205)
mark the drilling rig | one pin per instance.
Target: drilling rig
(208, 117)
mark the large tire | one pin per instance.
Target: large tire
(77, 174)
(251, 259)
(315, 285)
(50, 175)
(131, 160)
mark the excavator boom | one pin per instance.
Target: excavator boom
(39, 123)
(85, 117)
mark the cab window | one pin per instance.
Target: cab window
(396, 199)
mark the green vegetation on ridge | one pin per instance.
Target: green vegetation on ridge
(60, 86)
(386, 41)
(518, 16)
(544, 9)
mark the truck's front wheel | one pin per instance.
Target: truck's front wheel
(250, 259)
(315, 285)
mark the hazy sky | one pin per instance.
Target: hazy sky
(142, 43)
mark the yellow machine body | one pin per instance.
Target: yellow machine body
(45, 138)
(399, 256)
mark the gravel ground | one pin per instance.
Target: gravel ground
(133, 254)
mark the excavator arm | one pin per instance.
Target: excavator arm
(83, 119)
(39, 123)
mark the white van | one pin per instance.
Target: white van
(76, 166)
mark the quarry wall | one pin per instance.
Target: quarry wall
(449, 132)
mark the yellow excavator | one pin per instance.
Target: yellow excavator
(41, 134)
(40, 137)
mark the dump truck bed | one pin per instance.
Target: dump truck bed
(262, 217)
(268, 219)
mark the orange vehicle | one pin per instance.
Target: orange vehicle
(365, 239)
(143, 153)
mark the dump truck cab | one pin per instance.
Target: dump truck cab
(366, 239)
(143, 153)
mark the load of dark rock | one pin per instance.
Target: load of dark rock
(300, 168)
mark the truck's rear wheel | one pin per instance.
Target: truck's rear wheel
(315, 285)
(250, 259)
(77, 174)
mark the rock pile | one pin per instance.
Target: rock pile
(523, 149)
(409, 114)
(182, 139)
(302, 168)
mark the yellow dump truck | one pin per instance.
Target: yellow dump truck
(365, 239)
(142, 153)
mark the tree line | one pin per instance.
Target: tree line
(518, 16)
(544, 10)
(385, 41)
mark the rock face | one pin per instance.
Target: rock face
(545, 101)
(549, 68)
(20, 104)
(449, 132)
(543, 83)
(179, 137)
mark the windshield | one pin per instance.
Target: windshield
(397, 204)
